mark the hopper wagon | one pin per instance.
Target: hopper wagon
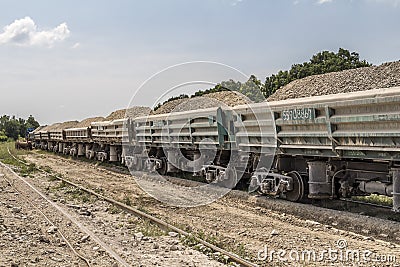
(319, 147)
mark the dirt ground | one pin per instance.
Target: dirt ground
(259, 232)
(31, 228)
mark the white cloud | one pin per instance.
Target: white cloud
(235, 2)
(395, 3)
(321, 2)
(24, 32)
(76, 45)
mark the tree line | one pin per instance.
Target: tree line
(258, 91)
(14, 128)
(320, 63)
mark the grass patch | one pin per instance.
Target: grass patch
(52, 178)
(236, 248)
(375, 199)
(127, 200)
(114, 210)
(149, 229)
(5, 157)
(74, 193)
(22, 167)
(142, 208)
(60, 185)
(26, 170)
(98, 190)
(47, 169)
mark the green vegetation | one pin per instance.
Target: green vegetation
(252, 88)
(236, 248)
(376, 199)
(6, 158)
(320, 63)
(182, 96)
(52, 178)
(3, 136)
(74, 193)
(149, 229)
(114, 209)
(12, 127)
(127, 200)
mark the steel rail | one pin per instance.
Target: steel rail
(162, 224)
(365, 203)
(110, 251)
(47, 219)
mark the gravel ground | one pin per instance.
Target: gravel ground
(237, 222)
(28, 239)
(361, 79)
(137, 242)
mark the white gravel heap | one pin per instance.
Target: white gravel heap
(229, 98)
(132, 112)
(361, 79)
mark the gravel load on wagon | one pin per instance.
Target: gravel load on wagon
(132, 112)
(38, 129)
(64, 125)
(87, 122)
(50, 127)
(361, 79)
(229, 98)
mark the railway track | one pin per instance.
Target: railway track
(84, 229)
(21, 194)
(162, 224)
(184, 182)
(367, 204)
(350, 205)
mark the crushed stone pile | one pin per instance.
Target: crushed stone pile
(50, 127)
(86, 122)
(229, 98)
(59, 126)
(64, 125)
(361, 79)
(132, 112)
(38, 129)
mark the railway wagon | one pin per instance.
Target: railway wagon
(197, 141)
(34, 137)
(106, 140)
(56, 137)
(319, 147)
(336, 145)
(43, 139)
(76, 141)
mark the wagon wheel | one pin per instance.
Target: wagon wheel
(135, 165)
(164, 167)
(298, 187)
(229, 179)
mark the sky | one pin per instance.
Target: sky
(69, 60)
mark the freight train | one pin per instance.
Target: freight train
(320, 147)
